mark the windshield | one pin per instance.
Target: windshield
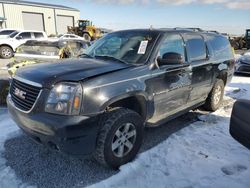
(12, 35)
(38, 50)
(132, 47)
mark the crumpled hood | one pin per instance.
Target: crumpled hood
(245, 59)
(48, 74)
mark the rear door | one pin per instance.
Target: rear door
(202, 72)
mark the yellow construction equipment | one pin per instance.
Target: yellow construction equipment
(86, 30)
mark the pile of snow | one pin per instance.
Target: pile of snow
(200, 155)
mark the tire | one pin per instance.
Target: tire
(86, 36)
(215, 97)
(109, 146)
(6, 52)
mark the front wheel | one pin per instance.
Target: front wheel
(120, 137)
(6, 52)
(86, 36)
(215, 97)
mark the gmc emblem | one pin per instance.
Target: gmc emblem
(19, 93)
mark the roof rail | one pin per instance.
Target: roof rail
(196, 29)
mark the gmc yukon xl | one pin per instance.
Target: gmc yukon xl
(100, 103)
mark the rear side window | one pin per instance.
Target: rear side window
(38, 35)
(25, 35)
(220, 46)
(196, 47)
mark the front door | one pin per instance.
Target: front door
(171, 83)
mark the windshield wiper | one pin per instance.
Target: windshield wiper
(111, 58)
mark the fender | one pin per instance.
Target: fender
(148, 109)
(5, 44)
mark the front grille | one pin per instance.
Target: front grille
(23, 95)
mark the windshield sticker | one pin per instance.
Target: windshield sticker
(143, 47)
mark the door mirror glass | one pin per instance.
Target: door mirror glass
(170, 58)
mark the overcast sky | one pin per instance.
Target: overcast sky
(231, 16)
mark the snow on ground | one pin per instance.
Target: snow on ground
(8, 129)
(200, 155)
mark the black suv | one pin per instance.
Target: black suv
(101, 102)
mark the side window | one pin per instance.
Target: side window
(25, 35)
(196, 47)
(38, 35)
(173, 43)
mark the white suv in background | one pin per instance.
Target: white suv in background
(4, 33)
(15, 39)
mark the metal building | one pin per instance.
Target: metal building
(53, 19)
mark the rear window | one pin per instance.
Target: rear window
(38, 35)
(196, 47)
(220, 46)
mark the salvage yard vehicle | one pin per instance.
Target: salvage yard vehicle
(8, 45)
(240, 122)
(33, 52)
(99, 104)
(243, 65)
(70, 36)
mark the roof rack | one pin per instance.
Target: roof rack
(194, 29)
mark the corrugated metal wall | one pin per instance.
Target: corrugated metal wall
(13, 13)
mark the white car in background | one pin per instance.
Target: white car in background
(8, 45)
(4, 33)
(69, 36)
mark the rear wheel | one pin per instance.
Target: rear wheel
(215, 97)
(6, 52)
(120, 137)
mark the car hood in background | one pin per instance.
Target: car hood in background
(245, 59)
(48, 74)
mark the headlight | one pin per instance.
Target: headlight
(65, 98)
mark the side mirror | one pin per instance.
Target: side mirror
(19, 37)
(170, 58)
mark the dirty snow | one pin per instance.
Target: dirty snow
(200, 155)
